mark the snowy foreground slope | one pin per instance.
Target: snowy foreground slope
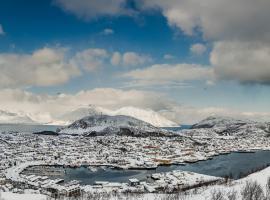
(204, 193)
(108, 125)
(15, 196)
(147, 115)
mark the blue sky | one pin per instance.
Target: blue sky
(154, 37)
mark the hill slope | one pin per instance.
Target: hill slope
(107, 125)
(222, 126)
(147, 115)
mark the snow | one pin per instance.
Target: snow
(13, 173)
(242, 135)
(146, 115)
(105, 124)
(15, 196)
(205, 192)
(225, 126)
(191, 178)
(219, 121)
(237, 185)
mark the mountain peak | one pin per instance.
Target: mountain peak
(218, 121)
(146, 115)
(106, 125)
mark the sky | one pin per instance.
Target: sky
(186, 59)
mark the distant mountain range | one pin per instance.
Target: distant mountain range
(67, 118)
(224, 126)
(14, 118)
(147, 115)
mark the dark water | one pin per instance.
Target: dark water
(26, 128)
(182, 127)
(234, 164)
(30, 128)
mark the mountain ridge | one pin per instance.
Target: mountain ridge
(97, 125)
(146, 115)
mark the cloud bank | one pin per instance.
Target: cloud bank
(93, 9)
(234, 27)
(170, 74)
(44, 67)
(47, 108)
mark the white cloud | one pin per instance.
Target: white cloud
(2, 32)
(44, 67)
(129, 59)
(52, 106)
(170, 74)
(90, 59)
(238, 29)
(116, 59)
(197, 49)
(246, 62)
(108, 31)
(89, 9)
(45, 108)
(231, 25)
(51, 66)
(168, 56)
(217, 19)
(134, 59)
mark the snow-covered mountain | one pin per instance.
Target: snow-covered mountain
(14, 118)
(106, 125)
(219, 122)
(148, 115)
(216, 126)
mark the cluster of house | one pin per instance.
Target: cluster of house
(168, 181)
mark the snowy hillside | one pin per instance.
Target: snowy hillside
(212, 126)
(14, 118)
(218, 121)
(106, 125)
(148, 115)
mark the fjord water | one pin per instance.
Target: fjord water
(27, 128)
(234, 164)
(30, 128)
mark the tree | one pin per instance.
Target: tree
(232, 195)
(217, 195)
(252, 191)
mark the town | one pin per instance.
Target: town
(22, 152)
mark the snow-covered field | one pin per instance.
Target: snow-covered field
(260, 177)
(14, 196)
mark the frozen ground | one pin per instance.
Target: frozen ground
(15, 196)
(201, 194)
